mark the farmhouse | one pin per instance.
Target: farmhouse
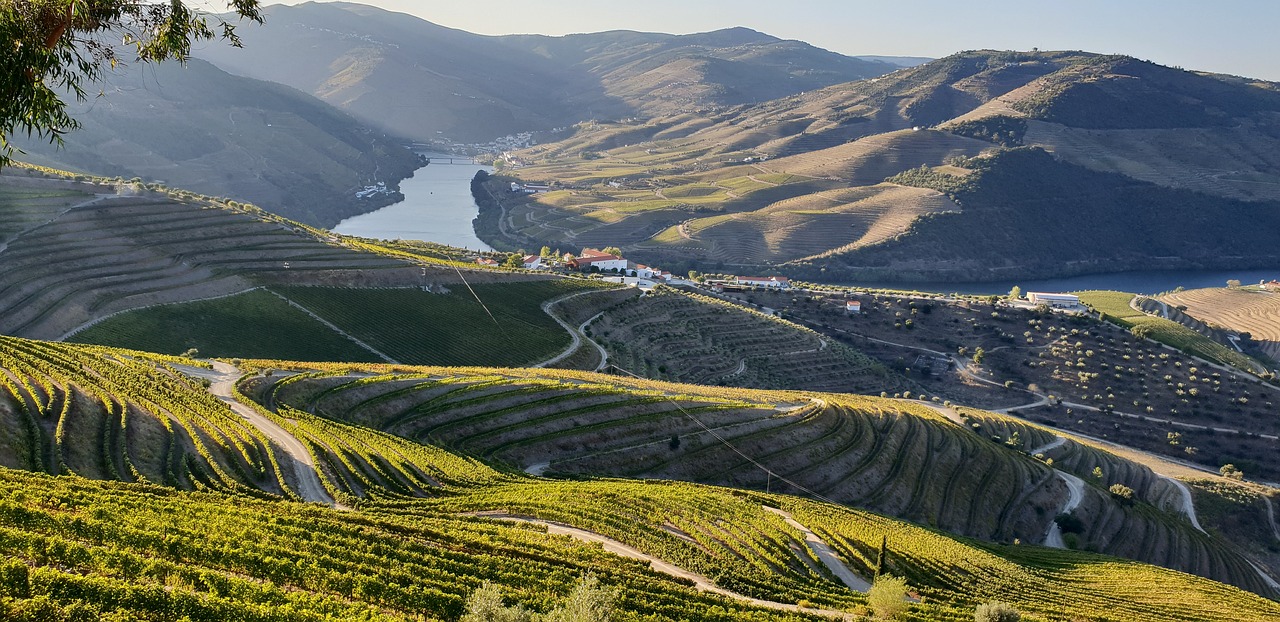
(591, 257)
(1057, 301)
(779, 282)
(485, 261)
(532, 262)
(852, 306)
(1271, 286)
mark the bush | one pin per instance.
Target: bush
(996, 612)
(1122, 492)
(888, 597)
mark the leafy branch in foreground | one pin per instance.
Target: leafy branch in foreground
(52, 47)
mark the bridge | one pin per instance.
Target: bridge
(452, 160)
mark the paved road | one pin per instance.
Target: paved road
(223, 378)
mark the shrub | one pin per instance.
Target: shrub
(888, 597)
(996, 612)
(1122, 492)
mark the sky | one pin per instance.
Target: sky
(1229, 36)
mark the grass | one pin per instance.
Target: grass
(257, 324)
(417, 327)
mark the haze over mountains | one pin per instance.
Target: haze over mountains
(410, 77)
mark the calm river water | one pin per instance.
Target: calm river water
(437, 207)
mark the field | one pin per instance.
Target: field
(686, 337)
(1116, 306)
(892, 456)
(419, 535)
(1105, 382)
(255, 324)
(1242, 310)
(405, 325)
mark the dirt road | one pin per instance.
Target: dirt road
(223, 378)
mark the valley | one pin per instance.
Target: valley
(268, 352)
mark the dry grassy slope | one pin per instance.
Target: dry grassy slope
(1252, 311)
(813, 225)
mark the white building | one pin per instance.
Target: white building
(600, 260)
(1057, 301)
(532, 262)
(852, 306)
(778, 282)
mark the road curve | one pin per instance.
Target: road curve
(577, 334)
(223, 378)
(703, 584)
(1076, 487)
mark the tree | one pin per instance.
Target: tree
(49, 48)
(887, 597)
(1097, 473)
(1230, 471)
(612, 250)
(978, 355)
(996, 612)
(1122, 492)
(1015, 293)
(1142, 331)
(1233, 283)
(884, 552)
(546, 252)
(588, 602)
(486, 605)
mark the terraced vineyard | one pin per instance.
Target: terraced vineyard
(426, 526)
(896, 457)
(1243, 310)
(64, 267)
(693, 338)
(117, 415)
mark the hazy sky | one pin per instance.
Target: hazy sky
(1230, 36)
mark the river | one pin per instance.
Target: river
(437, 207)
(1144, 282)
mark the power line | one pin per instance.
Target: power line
(769, 472)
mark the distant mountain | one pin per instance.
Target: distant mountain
(201, 128)
(901, 61)
(418, 79)
(984, 165)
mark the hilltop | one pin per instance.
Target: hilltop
(982, 165)
(413, 78)
(205, 130)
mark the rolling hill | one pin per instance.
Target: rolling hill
(417, 79)
(1023, 165)
(200, 514)
(202, 129)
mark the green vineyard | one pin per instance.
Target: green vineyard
(693, 338)
(895, 457)
(197, 521)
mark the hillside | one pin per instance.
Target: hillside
(987, 164)
(1250, 312)
(150, 267)
(200, 128)
(884, 455)
(428, 82)
(424, 525)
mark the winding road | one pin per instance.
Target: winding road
(1076, 487)
(700, 582)
(578, 334)
(223, 378)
